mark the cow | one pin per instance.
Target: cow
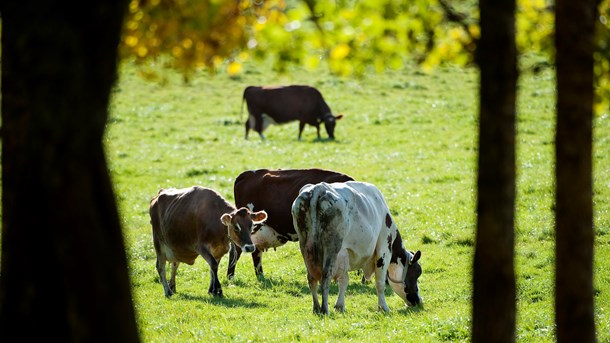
(348, 226)
(273, 191)
(197, 221)
(283, 104)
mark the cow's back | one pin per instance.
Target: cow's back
(275, 190)
(328, 224)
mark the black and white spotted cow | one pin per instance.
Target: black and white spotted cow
(348, 226)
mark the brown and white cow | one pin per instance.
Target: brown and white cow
(197, 221)
(279, 105)
(273, 191)
(348, 226)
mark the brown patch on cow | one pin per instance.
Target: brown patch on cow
(390, 240)
(380, 262)
(388, 220)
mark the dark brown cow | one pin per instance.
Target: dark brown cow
(273, 191)
(279, 105)
(192, 222)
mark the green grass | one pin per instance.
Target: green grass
(413, 135)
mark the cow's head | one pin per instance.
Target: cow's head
(330, 122)
(413, 273)
(240, 223)
(403, 275)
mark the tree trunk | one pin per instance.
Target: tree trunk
(493, 276)
(64, 269)
(574, 41)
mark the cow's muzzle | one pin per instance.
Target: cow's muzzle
(249, 248)
(413, 299)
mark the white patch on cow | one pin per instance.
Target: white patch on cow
(267, 120)
(250, 206)
(266, 237)
(251, 122)
(397, 272)
(169, 253)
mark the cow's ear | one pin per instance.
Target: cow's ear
(339, 116)
(415, 257)
(226, 219)
(259, 217)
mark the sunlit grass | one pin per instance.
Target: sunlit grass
(412, 134)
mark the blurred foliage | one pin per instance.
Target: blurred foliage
(602, 65)
(190, 34)
(350, 37)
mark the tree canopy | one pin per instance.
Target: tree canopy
(348, 37)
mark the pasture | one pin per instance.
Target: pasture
(413, 135)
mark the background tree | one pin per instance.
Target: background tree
(493, 273)
(64, 270)
(574, 40)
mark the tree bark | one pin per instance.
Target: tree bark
(493, 276)
(64, 269)
(574, 41)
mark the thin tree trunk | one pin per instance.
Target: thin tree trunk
(493, 276)
(64, 270)
(574, 31)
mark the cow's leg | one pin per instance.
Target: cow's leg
(161, 261)
(301, 127)
(343, 281)
(327, 274)
(215, 289)
(257, 259)
(380, 278)
(172, 279)
(342, 268)
(234, 254)
(247, 128)
(258, 124)
(318, 130)
(313, 288)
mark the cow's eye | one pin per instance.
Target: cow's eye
(237, 228)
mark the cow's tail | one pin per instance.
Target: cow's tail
(305, 222)
(243, 99)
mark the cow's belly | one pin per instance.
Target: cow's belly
(182, 256)
(267, 120)
(266, 237)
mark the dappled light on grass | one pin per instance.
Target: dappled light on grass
(416, 142)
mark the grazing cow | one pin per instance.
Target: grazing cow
(273, 191)
(193, 222)
(279, 105)
(348, 226)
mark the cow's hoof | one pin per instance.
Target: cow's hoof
(340, 308)
(383, 309)
(216, 293)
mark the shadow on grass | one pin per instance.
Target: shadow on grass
(300, 287)
(412, 309)
(226, 301)
(320, 140)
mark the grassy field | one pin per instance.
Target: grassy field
(412, 134)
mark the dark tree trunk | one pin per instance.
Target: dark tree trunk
(494, 277)
(64, 270)
(574, 30)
